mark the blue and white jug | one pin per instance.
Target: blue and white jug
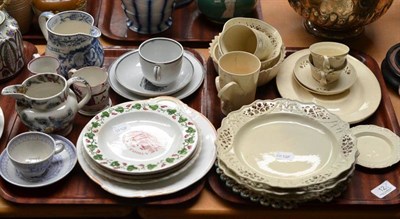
(72, 38)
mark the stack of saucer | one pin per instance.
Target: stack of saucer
(257, 159)
(147, 148)
(303, 76)
(126, 78)
(391, 68)
(269, 65)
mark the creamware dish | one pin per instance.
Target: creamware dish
(253, 142)
(353, 106)
(142, 137)
(379, 147)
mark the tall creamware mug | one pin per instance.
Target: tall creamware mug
(237, 81)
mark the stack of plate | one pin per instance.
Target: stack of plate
(126, 78)
(283, 152)
(270, 65)
(147, 148)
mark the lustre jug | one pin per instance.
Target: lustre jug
(45, 103)
(72, 38)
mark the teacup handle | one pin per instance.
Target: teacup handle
(43, 18)
(88, 93)
(326, 66)
(59, 146)
(157, 73)
(228, 87)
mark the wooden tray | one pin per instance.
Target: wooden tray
(35, 34)
(358, 191)
(190, 27)
(76, 187)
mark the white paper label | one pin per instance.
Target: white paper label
(120, 128)
(383, 189)
(285, 156)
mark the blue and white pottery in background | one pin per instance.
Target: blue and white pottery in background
(45, 103)
(72, 38)
(148, 16)
(62, 164)
(11, 47)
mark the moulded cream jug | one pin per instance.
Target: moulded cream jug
(72, 38)
(45, 103)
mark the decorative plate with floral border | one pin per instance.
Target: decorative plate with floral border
(140, 137)
(285, 144)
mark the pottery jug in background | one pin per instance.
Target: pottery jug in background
(11, 47)
(72, 38)
(45, 103)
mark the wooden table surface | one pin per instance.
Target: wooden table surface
(377, 38)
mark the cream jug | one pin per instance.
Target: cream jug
(45, 103)
(72, 38)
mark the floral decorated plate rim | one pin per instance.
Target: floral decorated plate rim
(118, 156)
(372, 153)
(192, 174)
(302, 72)
(228, 135)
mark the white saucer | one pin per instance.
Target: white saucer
(378, 147)
(129, 74)
(1, 122)
(353, 105)
(194, 84)
(302, 72)
(62, 164)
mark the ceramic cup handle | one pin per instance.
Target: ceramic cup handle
(88, 95)
(59, 146)
(43, 17)
(157, 73)
(229, 87)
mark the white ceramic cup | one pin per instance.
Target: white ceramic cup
(161, 60)
(328, 59)
(98, 81)
(237, 81)
(243, 38)
(43, 64)
(31, 153)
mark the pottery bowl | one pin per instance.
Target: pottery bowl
(339, 19)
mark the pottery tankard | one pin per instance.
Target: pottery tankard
(45, 103)
(72, 38)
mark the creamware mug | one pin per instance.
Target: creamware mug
(237, 80)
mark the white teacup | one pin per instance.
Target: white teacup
(98, 81)
(237, 81)
(161, 60)
(31, 153)
(44, 64)
(243, 38)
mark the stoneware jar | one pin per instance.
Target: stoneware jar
(11, 47)
(73, 39)
(220, 11)
(45, 103)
